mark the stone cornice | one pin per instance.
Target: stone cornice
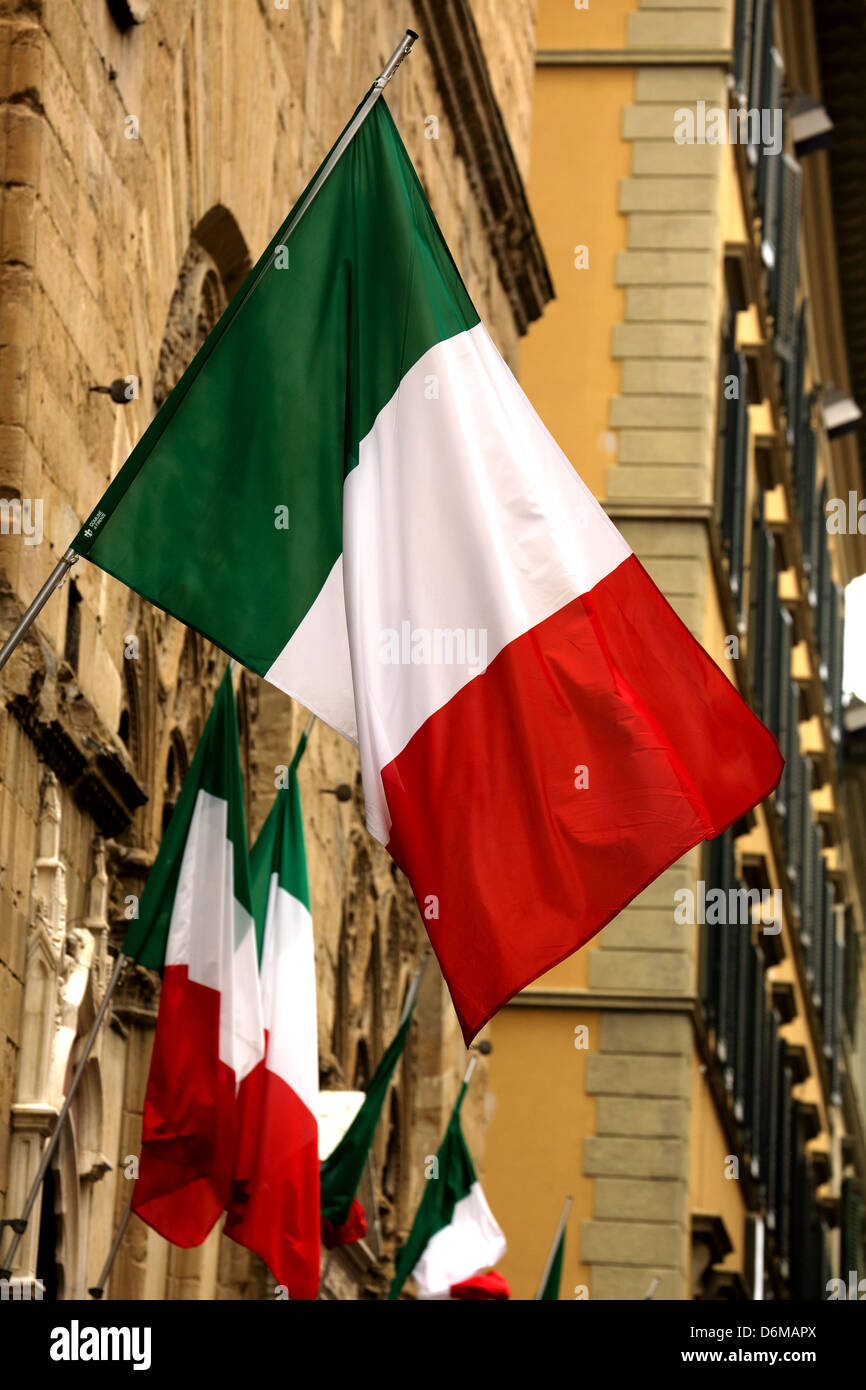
(451, 39)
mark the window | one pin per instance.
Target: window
(733, 466)
(73, 626)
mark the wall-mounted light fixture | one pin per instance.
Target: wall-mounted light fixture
(841, 412)
(811, 127)
(118, 391)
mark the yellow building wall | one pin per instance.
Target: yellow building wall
(709, 1189)
(541, 1114)
(566, 367)
(602, 24)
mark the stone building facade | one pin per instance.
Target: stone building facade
(149, 148)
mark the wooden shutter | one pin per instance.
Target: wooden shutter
(852, 974)
(807, 507)
(742, 48)
(783, 277)
(833, 701)
(827, 982)
(754, 1053)
(850, 1254)
(769, 1137)
(794, 795)
(763, 600)
(734, 471)
(761, 38)
(801, 1203)
(795, 376)
(741, 934)
(837, 1006)
(711, 939)
(783, 1158)
(805, 845)
(824, 591)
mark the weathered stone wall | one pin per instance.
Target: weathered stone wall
(142, 172)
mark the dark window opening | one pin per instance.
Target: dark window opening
(73, 626)
(46, 1254)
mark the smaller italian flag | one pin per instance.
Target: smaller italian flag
(195, 925)
(343, 1219)
(548, 1289)
(274, 1209)
(455, 1234)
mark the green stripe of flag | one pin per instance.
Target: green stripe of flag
(550, 1292)
(279, 849)
(216, 769)
(456, 1174)
(273, 408)
(342, 1170)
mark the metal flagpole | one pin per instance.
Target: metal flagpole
(393, 63)
(19, 1223)
(99, 1289)
(60, 571)
(556, 1239)
(414, 987)
(56, 577)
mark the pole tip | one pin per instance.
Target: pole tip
(410, 34)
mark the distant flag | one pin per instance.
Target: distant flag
(455, 1235)
(275, 1199)
(195, 925)
(343, 1217)
(540, 735)
(548, 1289)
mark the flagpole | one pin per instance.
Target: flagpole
(63, 566)
(31, 613)
(393, 63)
(19, 1223)
(414, 988)
(556, 1239)
(99, 1289)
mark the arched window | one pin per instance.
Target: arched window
(176, 767)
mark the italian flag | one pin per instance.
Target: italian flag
(343, 1218)
(349, 492)
(455, 1234)
(275, 1196)
(195, 925)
